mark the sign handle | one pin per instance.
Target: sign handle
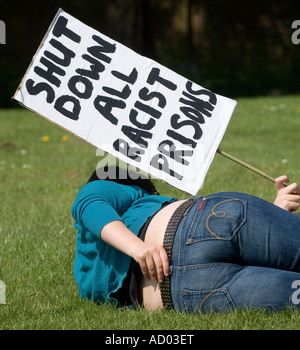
(257, 171)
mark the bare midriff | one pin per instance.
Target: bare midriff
(155, 235)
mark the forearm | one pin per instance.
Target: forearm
(152, 258)
(120, 237)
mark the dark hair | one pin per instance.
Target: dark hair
(123, 176)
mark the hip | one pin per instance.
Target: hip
(216, 217)
(150, 290)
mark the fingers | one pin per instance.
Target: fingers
(291, 202)
(154, 263)
(158, 265)
(279, 182)
(162, 265)
(293, 189)
(280, 185)
(288, 197)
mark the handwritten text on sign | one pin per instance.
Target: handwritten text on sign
(125, 104)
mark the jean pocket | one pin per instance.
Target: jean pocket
(217, 217)
(217, 300)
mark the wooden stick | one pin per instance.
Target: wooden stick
(245, 165)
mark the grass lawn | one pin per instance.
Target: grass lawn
(42, 168)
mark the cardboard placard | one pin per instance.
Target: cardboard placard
(125, 104)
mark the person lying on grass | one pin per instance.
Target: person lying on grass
(208, 253)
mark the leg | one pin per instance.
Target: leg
(263, 287)
(221, 287)
(216, 244)
(256, 231)
(269, 237)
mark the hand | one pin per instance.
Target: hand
(288, 197)
(153, 261)
(152, 258)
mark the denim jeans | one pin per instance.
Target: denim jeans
(233, 250)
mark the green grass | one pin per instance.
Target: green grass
(38, 184)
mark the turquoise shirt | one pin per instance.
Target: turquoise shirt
(99, 269)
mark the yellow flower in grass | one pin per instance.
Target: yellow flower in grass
(46, 138)
(298, 109)
(65, 138)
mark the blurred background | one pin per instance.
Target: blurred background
(235, 48)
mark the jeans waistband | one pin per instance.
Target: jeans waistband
(168, 244)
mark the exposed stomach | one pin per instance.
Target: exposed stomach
(155, 235)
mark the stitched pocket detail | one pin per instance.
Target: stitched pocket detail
(218, 218)
(216, 300)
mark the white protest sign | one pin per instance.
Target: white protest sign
(125, 104)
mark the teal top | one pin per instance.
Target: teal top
(100, 269)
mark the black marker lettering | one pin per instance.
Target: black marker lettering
(168, 148)
(130, 152)
(49, 73)
(200, 107)
(145, 95)
(105, 46)
(136, 135)
(124, 94)
(177, 125)
(73, 102)
(96, 67)
(106, 108)
(60, 29)
(84, 82)
(67, 54)
(130, 79)
(193, 114)
(184, 140)
(210, 94)
(145, 126)
(38, 88)
(160, 162)
(155, 77)
(147, 109)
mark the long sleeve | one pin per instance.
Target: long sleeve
(99, 268)
(101, 202)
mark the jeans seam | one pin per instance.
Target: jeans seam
(198, 266)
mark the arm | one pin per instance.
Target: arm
(152, 259)
(98, 208)
(288, 197)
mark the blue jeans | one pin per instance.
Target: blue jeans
(235, 250)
